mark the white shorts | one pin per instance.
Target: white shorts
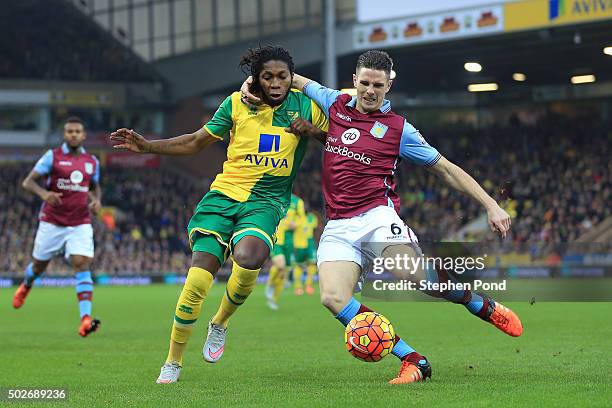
(52, 240)
(349, 239)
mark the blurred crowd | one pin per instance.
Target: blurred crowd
(555, 177)
(142, 230)
(148, 233)
(66, 45)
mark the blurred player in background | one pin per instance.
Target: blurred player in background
(312, 219)
(283, 253)
(364, 144)
(72, 191)
(294, 216)
(305, 253)
(240, 213)
(282, 260)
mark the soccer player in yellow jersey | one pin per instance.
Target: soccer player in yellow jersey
(283, 254)
(305, 253)
(282, 258)
(300, 244)
(240, 213)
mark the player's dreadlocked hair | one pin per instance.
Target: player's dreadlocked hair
(374, 59)
(252, 62)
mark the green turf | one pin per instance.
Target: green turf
(296, 356)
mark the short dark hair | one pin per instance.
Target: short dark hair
(375, 59)
(252, 62)
(75, 119)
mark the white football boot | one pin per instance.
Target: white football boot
(169, 373)
(272, 304)
(269, 292)
(270, 298)
(215, 343)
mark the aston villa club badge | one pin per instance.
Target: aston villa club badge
(379, 130)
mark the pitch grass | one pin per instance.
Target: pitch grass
(295, 357)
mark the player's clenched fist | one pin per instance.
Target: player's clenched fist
(130, 140)
(302, 127)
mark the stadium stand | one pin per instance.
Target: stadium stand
(561, 187)
(561, 179)
(65, 46)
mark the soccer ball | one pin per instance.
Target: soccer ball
(369, 336)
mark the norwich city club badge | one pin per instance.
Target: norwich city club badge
(293, 115)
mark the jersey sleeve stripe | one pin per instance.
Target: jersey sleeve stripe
(318, 117)
(210, 132)
(434, 161)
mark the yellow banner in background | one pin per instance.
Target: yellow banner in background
(527, 14)
(82, 98)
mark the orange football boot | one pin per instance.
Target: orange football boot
(310, 290)
(88, 326)
(414, 368)
(20, 296)
(501, 317)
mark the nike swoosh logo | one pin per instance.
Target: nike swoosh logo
(352, 342)
(216, 354)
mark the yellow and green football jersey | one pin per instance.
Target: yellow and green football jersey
(312, 222)
(300, 239)
(304, 230)
(280, 232)
(295, 210)
(262, 159)
(300, 233)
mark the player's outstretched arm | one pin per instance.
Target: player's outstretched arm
(30, 184)
(323, 96)
(299, 82)
(457, 178)
(189, 143)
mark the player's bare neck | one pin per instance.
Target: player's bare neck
(360, 109)
(74, 151)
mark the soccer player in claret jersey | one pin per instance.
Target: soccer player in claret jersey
(72, 192)
(362, 149)
(240, 213)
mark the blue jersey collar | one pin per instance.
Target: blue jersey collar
(385, 108)
(66, 150)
